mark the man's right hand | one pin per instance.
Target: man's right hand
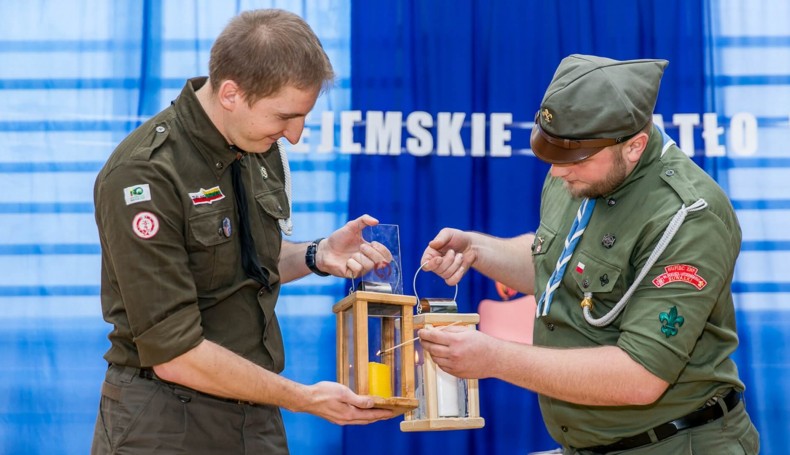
(449, 255)
(338, 404)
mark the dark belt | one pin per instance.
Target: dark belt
(699, 417)
(148, 373)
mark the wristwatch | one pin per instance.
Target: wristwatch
(309, 258)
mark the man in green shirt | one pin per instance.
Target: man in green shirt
(631, 266)
(190, 208)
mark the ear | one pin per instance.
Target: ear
(635, 146)
(229, 95)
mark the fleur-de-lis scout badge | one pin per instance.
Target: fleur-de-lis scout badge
(669, 321)
(546, 116)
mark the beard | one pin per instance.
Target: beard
(610, 182)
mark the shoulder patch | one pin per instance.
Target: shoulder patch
(145, 225)
(680, 272)
(137, 193)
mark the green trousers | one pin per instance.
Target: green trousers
(731, 434)
(148, 416)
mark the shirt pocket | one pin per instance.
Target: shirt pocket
(594, 275)
(273, 207)
(544, 238)
(274, 203)
(213, 257)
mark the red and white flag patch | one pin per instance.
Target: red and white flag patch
(580, 267)
(680, 272)
(145, 225)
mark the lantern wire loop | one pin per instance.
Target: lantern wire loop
(414, 285)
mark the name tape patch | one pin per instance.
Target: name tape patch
(680, 272)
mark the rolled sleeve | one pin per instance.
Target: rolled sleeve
(171, 337)
(151, 288)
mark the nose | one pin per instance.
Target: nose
(293, 129)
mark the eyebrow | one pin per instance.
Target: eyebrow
(288, 116)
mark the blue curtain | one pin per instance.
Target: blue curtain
(77, 77)
(747, 50)
(485, 57)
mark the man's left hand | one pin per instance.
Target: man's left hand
(346, 254)
(463, 353)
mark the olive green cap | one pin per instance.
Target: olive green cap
(594, 102)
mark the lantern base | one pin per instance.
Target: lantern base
(443, 424)
(398, 405)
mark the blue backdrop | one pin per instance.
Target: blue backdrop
(490, 57)
(78, 75)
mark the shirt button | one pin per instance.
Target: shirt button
(611, 202)
(550, 326)
(160, 129)
(564, 429)
(260, 293)
(219, 165)
(669, 173)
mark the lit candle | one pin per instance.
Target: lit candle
(379, 380)
(447, 391)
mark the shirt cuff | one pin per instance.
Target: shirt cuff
(170, 338)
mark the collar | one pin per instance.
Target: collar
(201, 131)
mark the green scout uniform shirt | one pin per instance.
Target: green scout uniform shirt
(177, 278)
(694, 359)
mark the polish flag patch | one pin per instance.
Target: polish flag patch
(680, 272)
(145, 225)
(580, 267)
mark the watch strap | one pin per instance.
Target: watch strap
(309, 257)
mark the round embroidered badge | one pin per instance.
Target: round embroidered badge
(145, 225)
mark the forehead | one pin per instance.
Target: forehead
(289, 100)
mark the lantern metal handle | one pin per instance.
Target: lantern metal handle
(414, 285)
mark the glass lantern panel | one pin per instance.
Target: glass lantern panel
(389, 276)
(348, 330)
(419, 383)
(384, 332)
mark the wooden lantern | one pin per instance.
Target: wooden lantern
(386, 319)
(445, 401)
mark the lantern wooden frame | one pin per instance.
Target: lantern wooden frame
(431, 421)
(357, 304)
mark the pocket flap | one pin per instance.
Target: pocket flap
(543, 240)
(207, 228)
(275, 203)
(592, 274)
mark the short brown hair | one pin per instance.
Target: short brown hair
(265, 50)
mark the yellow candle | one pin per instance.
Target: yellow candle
(379, 380)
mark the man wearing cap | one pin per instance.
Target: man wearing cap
(631, 266)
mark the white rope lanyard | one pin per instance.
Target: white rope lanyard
(669, 233)
(287, 224)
